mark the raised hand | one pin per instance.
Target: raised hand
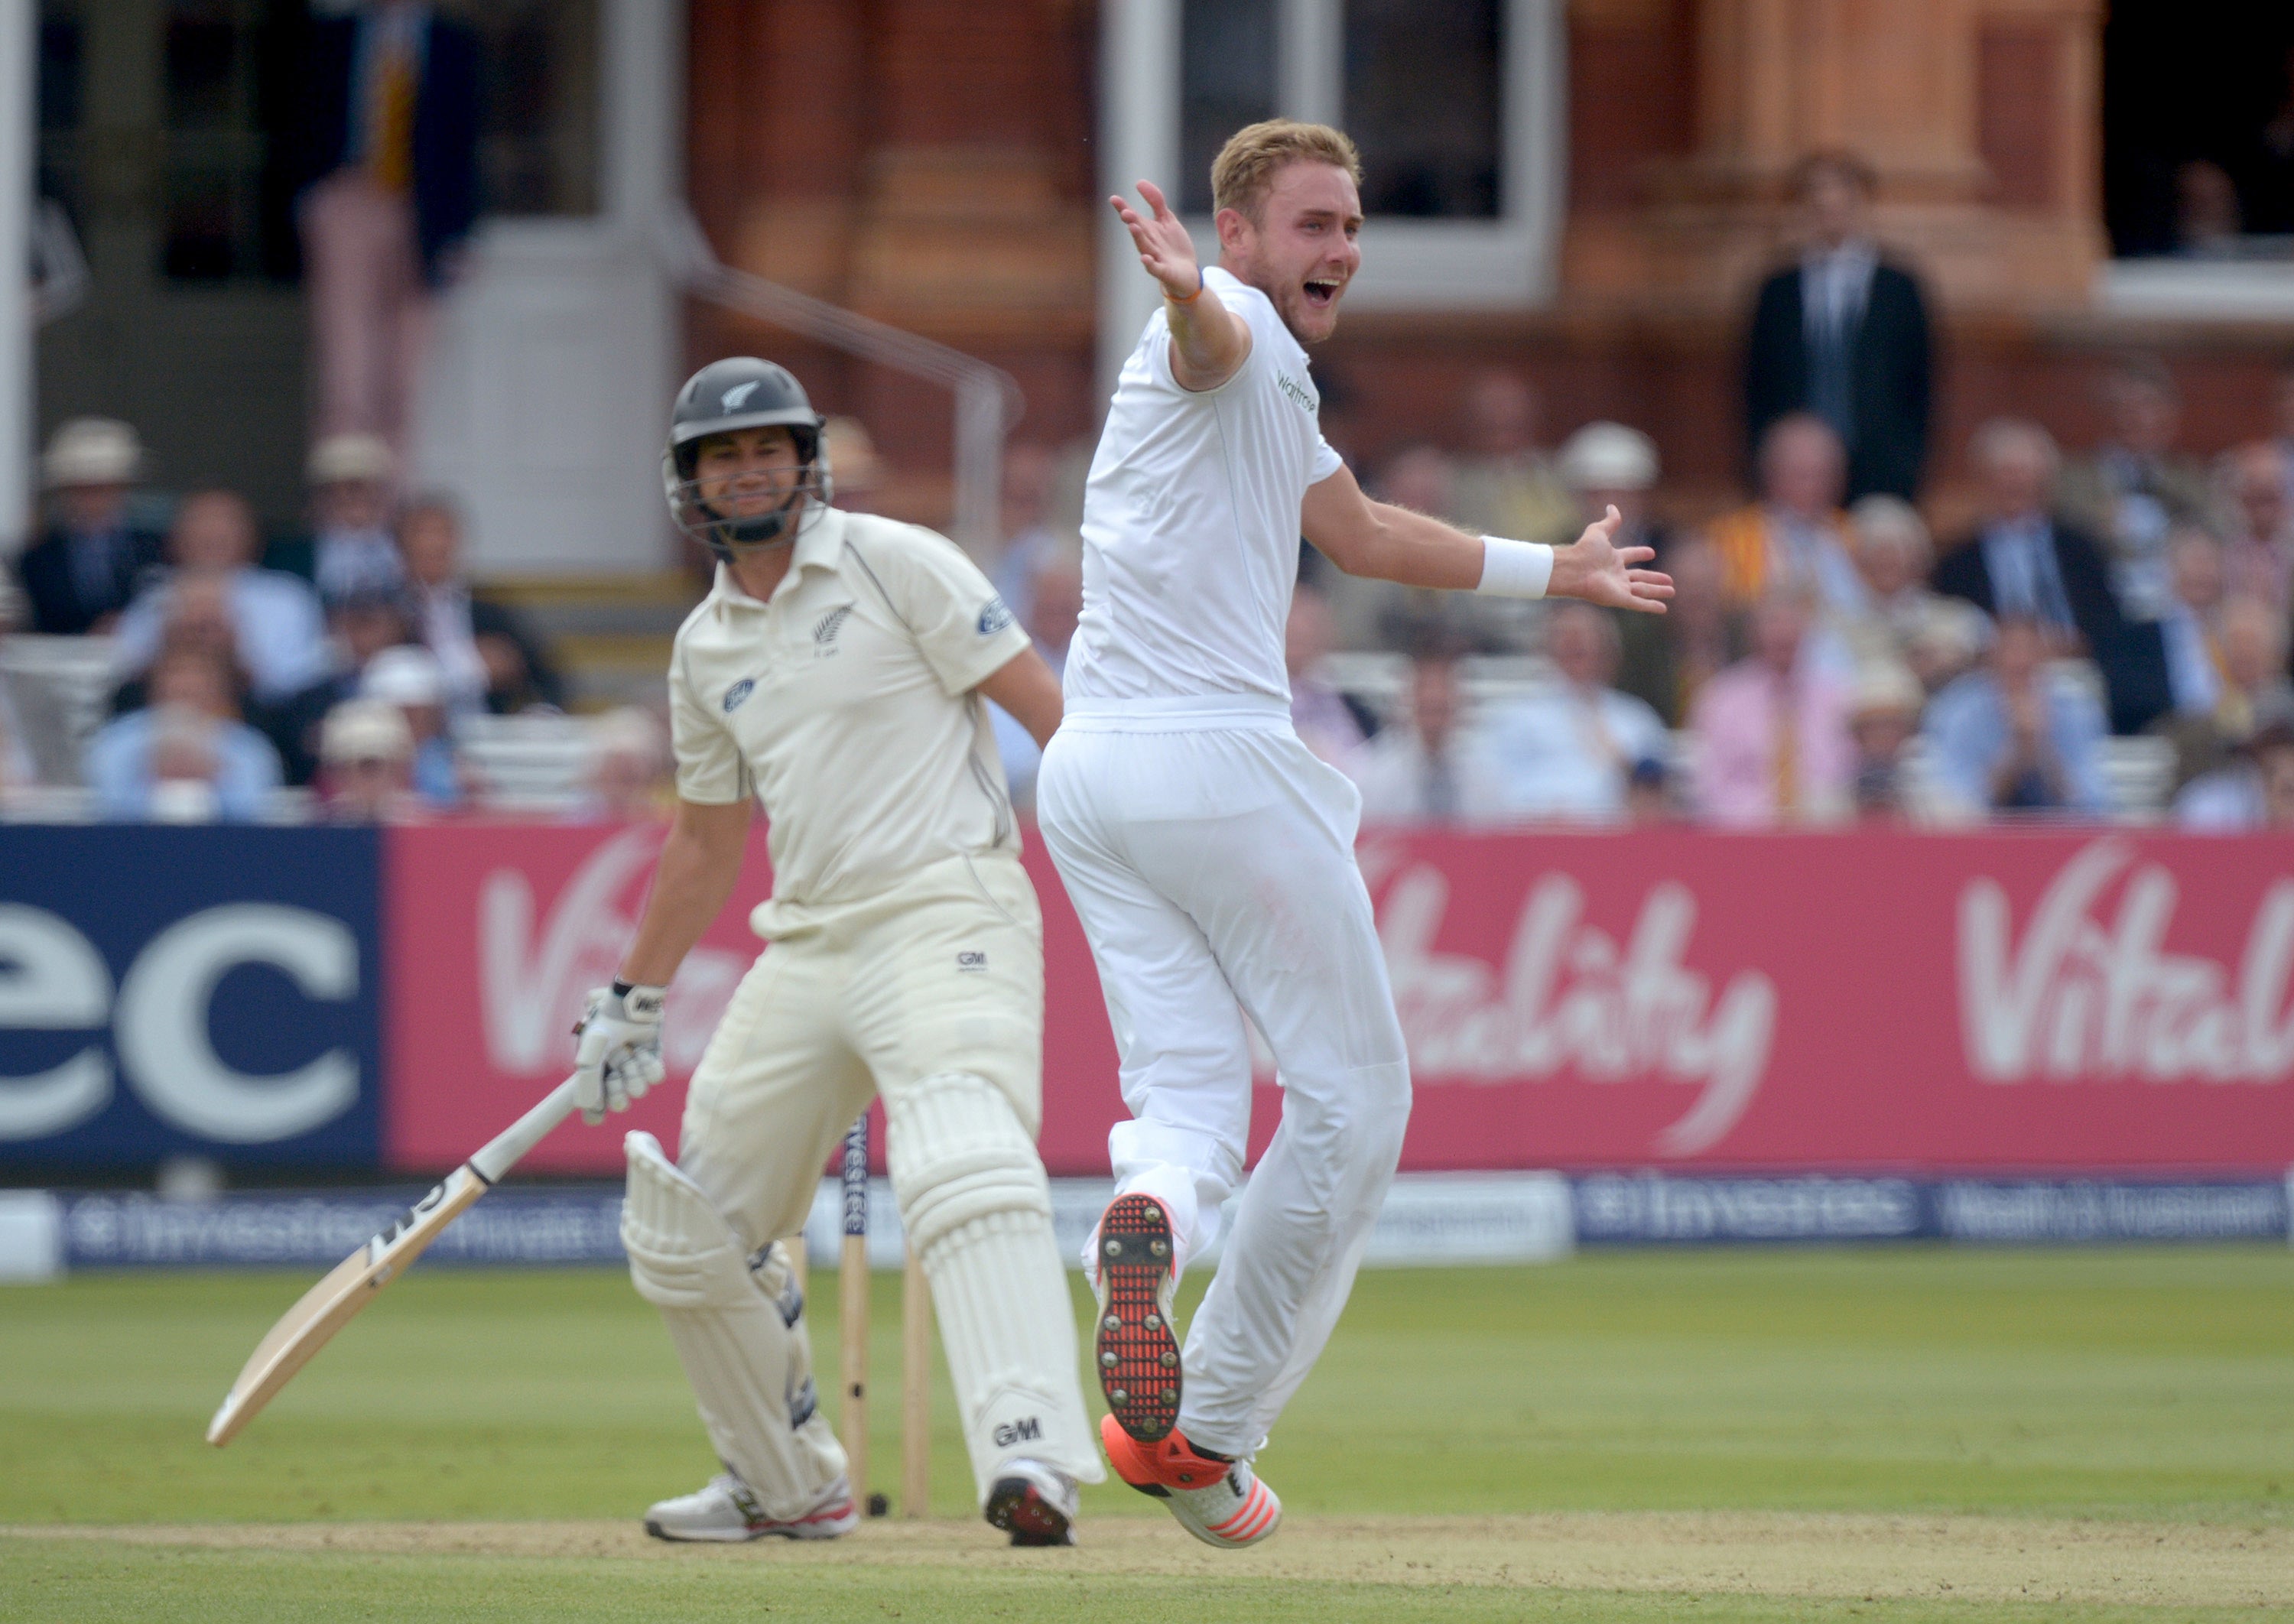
(1165, 248)
(1598, 570)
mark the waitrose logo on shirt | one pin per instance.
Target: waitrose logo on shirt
(1306, 398)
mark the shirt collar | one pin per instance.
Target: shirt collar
(820, 541)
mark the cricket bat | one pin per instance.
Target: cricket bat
(355, 1282)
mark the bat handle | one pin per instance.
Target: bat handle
(501, 1153)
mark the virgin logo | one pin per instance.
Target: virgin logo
(1569, 996)
(534, 984)
(2078, 998)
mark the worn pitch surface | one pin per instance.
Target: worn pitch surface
(1770, 1554)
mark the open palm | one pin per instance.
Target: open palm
(1161, 238)
(1600, 571)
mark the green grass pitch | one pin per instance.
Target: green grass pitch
(2057, 1391)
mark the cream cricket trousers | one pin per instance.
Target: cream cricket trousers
(1210, 857)
(930, 993)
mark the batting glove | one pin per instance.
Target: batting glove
(619, 1053)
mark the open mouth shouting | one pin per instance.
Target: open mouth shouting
(1323, 291)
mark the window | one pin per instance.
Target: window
(1423, 99)
(537, 146)
(2198, 132)
(1456, 105)
(1226, 81)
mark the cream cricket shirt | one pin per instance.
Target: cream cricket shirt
(843, 703)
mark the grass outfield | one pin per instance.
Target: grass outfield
(1622, 1431)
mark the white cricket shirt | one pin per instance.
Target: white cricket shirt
(844, 704)
(1190, 518)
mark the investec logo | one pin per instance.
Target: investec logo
(2083, 997)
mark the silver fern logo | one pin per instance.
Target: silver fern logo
(738, 394)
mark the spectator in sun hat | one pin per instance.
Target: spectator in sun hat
(629, 775)
(410, 677)
(350, 546)
(367, 764)
(1883, 717)
(1611, 466)
(87, 565)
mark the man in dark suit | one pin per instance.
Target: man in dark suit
(388, 139)
(1843, 334)
(2024, 562)
(85, 568)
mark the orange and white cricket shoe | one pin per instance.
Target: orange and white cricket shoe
(726, 1511)
(1135, 1266)
(1220, 1502)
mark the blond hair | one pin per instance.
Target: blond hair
(1244, 171)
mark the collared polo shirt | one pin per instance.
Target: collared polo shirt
(845, 703)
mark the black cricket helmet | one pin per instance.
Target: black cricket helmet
(742, 392)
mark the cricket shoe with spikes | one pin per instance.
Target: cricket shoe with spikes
(1136, 1260)
(1034, 1503)
(726, 1511)
(1219, 1501)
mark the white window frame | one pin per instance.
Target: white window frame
(1508, 263)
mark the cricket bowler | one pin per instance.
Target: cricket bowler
(1209, 853)
(836, 673)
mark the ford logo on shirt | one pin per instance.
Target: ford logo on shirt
(994, 618)
(738, 692)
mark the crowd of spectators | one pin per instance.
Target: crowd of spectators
(342, 661)
(1825, 660)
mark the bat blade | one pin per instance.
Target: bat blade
(355, 1282)
(336, 1301)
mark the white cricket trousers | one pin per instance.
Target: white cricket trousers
(1210, 857)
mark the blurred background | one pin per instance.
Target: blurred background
(1944, 351)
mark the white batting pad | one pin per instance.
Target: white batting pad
(978, 1214)
(738, 1328)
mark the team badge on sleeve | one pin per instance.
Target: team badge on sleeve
(994, 618)
(738, 692)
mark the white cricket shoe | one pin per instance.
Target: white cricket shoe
(1034, 1503)
(726, 1510)
(1220, 1502)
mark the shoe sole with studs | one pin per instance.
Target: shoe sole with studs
(1136, 1353)
(1020, 1509)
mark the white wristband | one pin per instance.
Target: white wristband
(1514, 569)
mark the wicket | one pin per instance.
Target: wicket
(916, 1347)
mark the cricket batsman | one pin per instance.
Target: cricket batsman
(1207, 852)
(835, 672)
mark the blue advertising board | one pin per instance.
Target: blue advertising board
(213, 991)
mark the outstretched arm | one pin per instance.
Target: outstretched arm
(1208, 342)
(1388, 543)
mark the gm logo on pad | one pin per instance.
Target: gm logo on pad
(738, 692)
